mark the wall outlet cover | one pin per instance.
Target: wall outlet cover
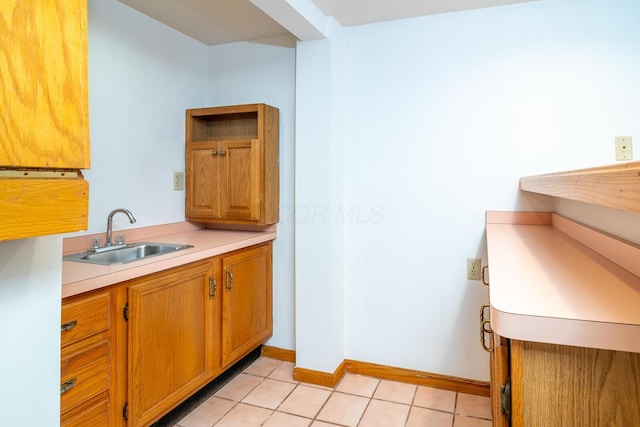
(474, 268)
(178, 181)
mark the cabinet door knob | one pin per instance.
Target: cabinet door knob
(222, 152)
(214, 153)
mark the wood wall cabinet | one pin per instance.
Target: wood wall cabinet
(175, 325)
(86, 360)
(232, 169)
(45, 125)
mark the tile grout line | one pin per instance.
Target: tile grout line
(332, 392)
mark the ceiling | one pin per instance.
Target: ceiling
(226, 21)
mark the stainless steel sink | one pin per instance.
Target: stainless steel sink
(128, 253)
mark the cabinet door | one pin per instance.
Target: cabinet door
(43, 69)
(203, 175)
(246, 302)
(241, 172)
(171, 335)
(557, 385)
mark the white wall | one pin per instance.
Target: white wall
(30, 292)
(443, 115)
(320, 261)
(143, 75)
(246, 73)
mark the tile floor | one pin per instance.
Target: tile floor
(265, 394)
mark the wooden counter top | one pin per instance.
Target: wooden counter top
(556, 281)
(80, 277)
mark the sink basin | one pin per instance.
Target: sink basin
(125, 254)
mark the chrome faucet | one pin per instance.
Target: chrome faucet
(132, 219)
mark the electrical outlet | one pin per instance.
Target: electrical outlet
(624, 149)
(473, 268)
(178, 181)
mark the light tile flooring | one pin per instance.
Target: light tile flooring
(265, 394)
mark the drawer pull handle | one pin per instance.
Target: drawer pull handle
(485, 280)
(213, 287)
(67, 385)
(229, 280)
(68, 326)
(485, 329)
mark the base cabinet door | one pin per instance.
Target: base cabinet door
(246, 302)
(171, 340)
(556, 385)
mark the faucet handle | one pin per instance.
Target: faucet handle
(96, 243)
(120, 239)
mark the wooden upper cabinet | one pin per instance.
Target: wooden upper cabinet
(44, 130)
(232, 164)
(45, 120)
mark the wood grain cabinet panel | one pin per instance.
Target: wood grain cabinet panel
(45, 117)
(556, 385)
(172, 337)
(246, 302)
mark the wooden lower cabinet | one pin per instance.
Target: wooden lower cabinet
(86, 365)
(555, 385)
(185, 326)
(171, 340)
(246, 302)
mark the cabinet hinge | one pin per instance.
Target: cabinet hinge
(125, 312)
(39, 173)
(125, 411)
(505, 398)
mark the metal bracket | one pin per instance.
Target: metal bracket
(505, 397)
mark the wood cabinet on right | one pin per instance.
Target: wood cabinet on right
(232, 171)
(558, 385)
(246, 302)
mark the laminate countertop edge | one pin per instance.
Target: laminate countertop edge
(80, 277)
(547, 285)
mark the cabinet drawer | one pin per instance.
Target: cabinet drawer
(95, 414)
(83, 375)
(83, 318)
